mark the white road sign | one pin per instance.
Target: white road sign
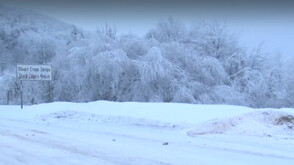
(33, 72)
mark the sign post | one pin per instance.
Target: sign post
(21, 95)
(2, 66)
(32, 73)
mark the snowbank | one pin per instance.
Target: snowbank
(205, 118)
(261, 123)
(145, 133)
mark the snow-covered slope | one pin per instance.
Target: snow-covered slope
(145, 133)
(26, 20)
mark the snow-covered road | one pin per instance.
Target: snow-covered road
(69, 134)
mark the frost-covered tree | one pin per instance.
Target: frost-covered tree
(214, 39)
(276, 87)
(109, 32)
(224, 94)
(169, 30)
(133, 46)
(289, 82)
(184, 95)
(108, 74)
(76, 33)
(203, 64)
(156, 76)
(253, 84)
(257, 59)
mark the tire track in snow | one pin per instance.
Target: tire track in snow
(58, 145)
(82, 152)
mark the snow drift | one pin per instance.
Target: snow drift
(265, 122)
(145, 133)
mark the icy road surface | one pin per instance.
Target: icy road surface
(109, 133)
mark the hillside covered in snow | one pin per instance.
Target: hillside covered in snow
(201, 63)
(179, 94)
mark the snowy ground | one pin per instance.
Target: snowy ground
(145, 134)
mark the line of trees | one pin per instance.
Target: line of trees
(204, 63)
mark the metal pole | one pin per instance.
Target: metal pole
(8, 97)
(2, 68)
(21, 95)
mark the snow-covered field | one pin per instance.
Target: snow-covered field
(145, 134)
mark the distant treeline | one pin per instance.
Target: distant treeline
(203, 63)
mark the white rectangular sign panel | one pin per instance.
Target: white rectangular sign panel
(33, 72)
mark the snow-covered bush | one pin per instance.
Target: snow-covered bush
(253, 84)
(184, 95)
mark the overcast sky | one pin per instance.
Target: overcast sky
(271, 21)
